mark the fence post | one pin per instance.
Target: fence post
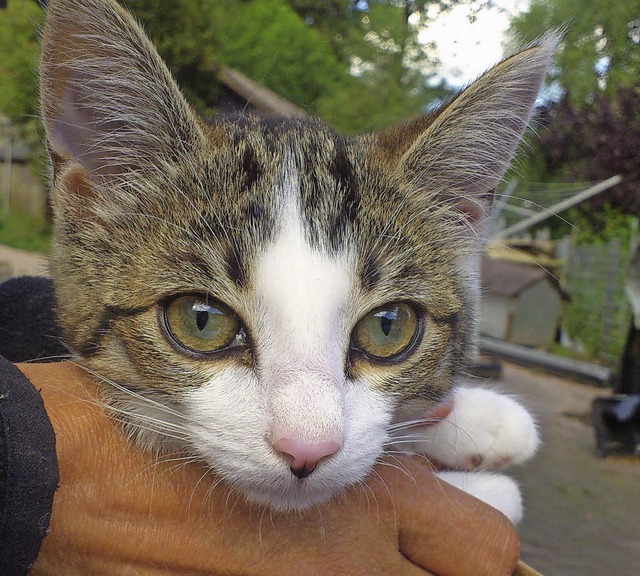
(609, 307)
(6, 172)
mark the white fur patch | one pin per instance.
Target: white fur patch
(302, 289)
(485, 430)
(496, 490)
(228, 424)
(303, 334)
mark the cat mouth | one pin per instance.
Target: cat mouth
(301, 494)
(304, 471)
(285, 489)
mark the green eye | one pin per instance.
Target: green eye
(386, 332)
(202, 326)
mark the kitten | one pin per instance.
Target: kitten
(283, 303)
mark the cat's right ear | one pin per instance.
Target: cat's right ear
(108, 101)
(456, 156)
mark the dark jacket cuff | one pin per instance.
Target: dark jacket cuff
(28, 471)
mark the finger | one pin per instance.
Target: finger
(523, 570)
(410, 569)
(446, 530)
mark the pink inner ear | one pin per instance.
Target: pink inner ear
(71, 128)
(475, 210)
(79, 134)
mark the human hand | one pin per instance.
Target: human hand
(118, 511)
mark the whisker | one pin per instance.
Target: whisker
(140, 397)
(387, 489)
(204, 475)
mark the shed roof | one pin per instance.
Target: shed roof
(510, 278)
(260, 97)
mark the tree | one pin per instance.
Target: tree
(357, 64)
(19, 61)
(351, 63)
(269, 41)
(601, 48)
(383, 83)
(181, 33)
(592, 129)
(333, 18)
(265, 39)
(593, 142)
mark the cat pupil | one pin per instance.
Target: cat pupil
(386, 322)
(201, 319)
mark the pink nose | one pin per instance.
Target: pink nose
(303, 458)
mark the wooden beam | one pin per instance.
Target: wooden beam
(559, 207)
(257, 95)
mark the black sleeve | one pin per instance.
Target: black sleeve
(28, 471)
(28, 326)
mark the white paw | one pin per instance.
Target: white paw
(496, 490)
(485, 430)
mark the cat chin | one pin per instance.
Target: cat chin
(230, 432)
(296, 499)
(270, 483)
(262, 481)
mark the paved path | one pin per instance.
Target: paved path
(15, 262)
(582, 513)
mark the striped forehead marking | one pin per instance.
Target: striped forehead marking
(303, 289)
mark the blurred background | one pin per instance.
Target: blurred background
(561, 273)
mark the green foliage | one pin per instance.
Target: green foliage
(386, 84)
(602, 226)
(593, 131)
(269, 42)
(590, 143)
(590, 227)
(356, 107)
(305, 51)
(25, 231)
(595, 316)
(182, 34)
(597, 31)
(19, 61)
(333, 18)
(301, 50)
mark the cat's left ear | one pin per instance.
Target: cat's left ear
(459, 153)
(109, 103)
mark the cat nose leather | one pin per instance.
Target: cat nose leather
(303, 458)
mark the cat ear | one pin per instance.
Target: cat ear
(108, 101)
(459, 153)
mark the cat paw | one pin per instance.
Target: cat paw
(484, 430)
(497, 490)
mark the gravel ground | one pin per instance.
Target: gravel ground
(15, 262)
(582, 513)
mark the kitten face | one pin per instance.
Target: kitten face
(264, 295)
(299, 279)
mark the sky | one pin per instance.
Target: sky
(466, 49)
